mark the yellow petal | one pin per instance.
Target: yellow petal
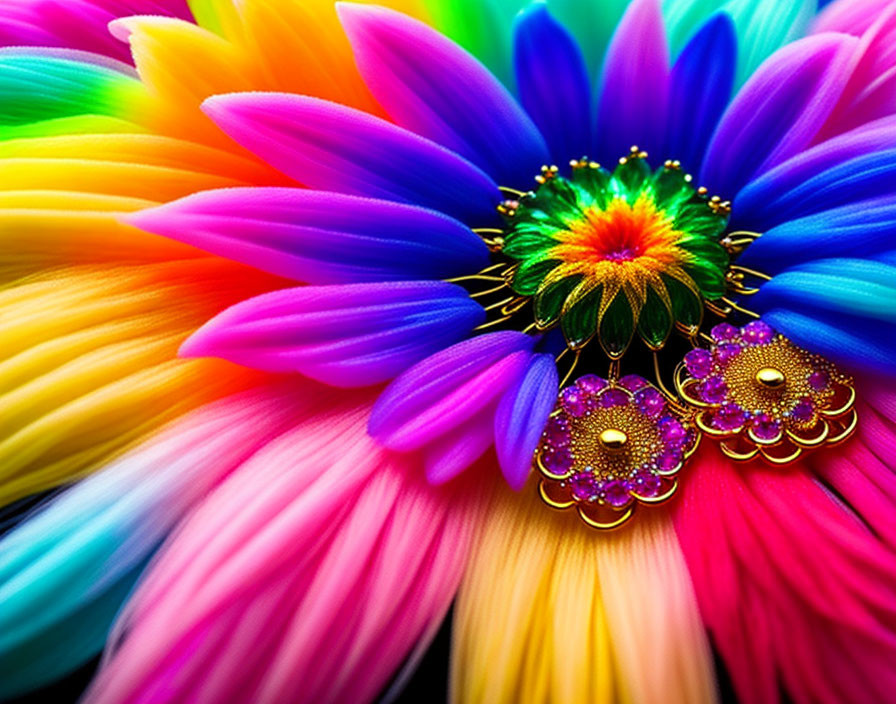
(553, 611)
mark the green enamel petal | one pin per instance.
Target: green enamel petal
(617, 326)
(687, 308)
(698, 220)
(526, 241)
(579, 323)
(530, 275)
(630, 178)
(709, 279)
(708, 252)
(655, 321)
(672, 188)
(594, 181)
(550, 299)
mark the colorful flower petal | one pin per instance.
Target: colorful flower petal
(320, 237)
(553, 82)
(331, 147)
(442, 391)
(634, 84)
(431, 86)
(354, 335)
(521, 417)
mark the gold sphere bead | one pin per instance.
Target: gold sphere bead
(613, 440)
(770, 377)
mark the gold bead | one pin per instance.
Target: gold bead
(613, 440)
(770, 377)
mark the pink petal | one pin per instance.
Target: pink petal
(451, 454)
(793, 589)
(307, 576)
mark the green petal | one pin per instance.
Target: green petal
(550, 299)
(699, 219)
(629, 178)
(617, 326)
(530, 275)
(579, 323)
(687, 308)
(672, 188)
(655, 321)
(709, 279)
(594, 182)
(591, 23)
(527, 241)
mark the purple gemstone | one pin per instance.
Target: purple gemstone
(632, 382)
(583, 486)
(729, 417)
(613, 397)
(650, 402)
(698, 363)
(668, 459)
(672, 432)
(726, 352)
(724, 332)
(803, 411)
(616, 493)
(648, 485)
(819, 380)
(758, 333)
(765, 427)
(556, 433)
(591, 383)
(573, 401)
(558, 461)
(713, 390)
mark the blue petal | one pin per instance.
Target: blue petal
(521, 416)
(345, 336)
(864, 229)
(790, 190)
(553, 82)
(700, 87)
(431, 86)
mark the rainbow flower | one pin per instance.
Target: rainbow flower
(287, 286)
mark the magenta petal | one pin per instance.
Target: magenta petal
(431, 86)
(778, 111)
(634, 84)
(521, 417)
(319, 237)
(328, 146)
(449, 455)
(346, 336)
(443, 391)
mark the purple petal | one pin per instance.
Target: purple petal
(634, 84)
(319, 237)
(328, 146)
(778, 111)
(553, 82)
(346, 336)
(782, 194)
(431, 86)
(521, 417)
(700, 88)
(443, 391)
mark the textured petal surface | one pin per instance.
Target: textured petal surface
(573, 615)
(331, 147)
(442, 391)
(431, 86)
(699, 90)
(553, 82)
(634, 84)
(778, 111)
(353, 335)
(796, 593)
(65, 572)
(521, 416)
(306, 576)
(320, 237)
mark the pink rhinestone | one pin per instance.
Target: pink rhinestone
(616, 493)
(650, 402)
(558, 462)
(668, 459)
(591, 383)
(766, 428)
(729, 417)
(757, 333)
(803, 411)
(724, 332)
(556, 433)
(648, 485)
(713, 390)
(819, 380)
(698, 363)
(632, 382)
(726, 352)
(613, 397)
(573, 401)
(672, 432)
(583, 486)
